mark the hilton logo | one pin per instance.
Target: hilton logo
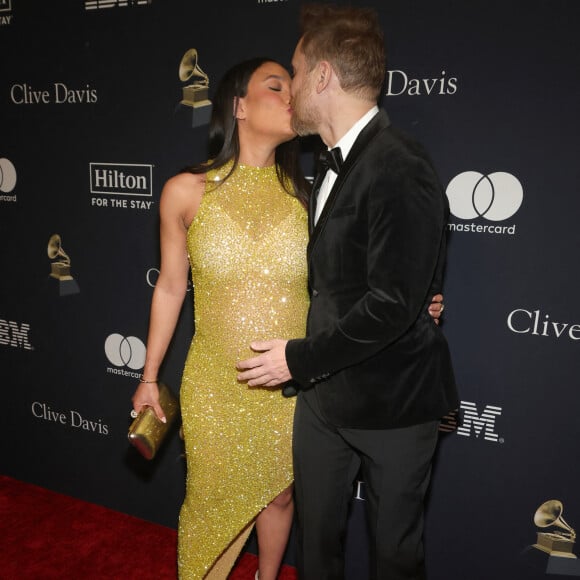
(5, 6)
(116, 179)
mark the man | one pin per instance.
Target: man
(374, 372)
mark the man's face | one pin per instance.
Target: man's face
(304, 114)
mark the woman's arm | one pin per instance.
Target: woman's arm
(178, 205)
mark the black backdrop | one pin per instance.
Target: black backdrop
(90, 94)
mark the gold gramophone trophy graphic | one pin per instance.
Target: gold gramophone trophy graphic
(60, 268)
(195, 94)
(559, 542)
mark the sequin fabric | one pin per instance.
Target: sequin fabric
(247, 250)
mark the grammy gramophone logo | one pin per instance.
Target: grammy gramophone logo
(60, 267)
(195, 94)
(558, 542)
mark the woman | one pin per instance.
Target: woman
(239, 222)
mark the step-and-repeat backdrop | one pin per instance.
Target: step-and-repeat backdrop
(102, 100)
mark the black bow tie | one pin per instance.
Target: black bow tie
(330, 159)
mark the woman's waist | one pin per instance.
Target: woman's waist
(251, 323)
(234, 339)
(229, 337)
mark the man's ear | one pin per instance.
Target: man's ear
(325, 73)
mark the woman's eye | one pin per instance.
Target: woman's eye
(277, 89)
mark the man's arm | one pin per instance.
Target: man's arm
(405, 230)
(270, 368)
(406, 219)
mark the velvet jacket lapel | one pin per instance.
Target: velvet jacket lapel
(379, 122)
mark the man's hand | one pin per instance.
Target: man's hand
(268, 369)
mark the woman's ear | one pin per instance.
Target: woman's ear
(239, 108)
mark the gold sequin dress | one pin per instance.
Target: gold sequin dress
(247, 250)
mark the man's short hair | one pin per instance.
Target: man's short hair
(351, 40)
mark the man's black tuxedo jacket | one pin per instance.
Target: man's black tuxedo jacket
(372, 352)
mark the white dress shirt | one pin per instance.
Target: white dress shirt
(345, 143)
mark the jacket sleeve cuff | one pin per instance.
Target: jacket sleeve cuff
(294, 356)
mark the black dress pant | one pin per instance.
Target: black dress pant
(395, 465)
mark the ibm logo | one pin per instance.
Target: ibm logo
(13, 334)
(100, 4)
(473, 422)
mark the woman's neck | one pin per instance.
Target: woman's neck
(257, 154)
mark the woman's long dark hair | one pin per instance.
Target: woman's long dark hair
(224, 141)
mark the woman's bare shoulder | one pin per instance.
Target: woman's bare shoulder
(185, 184)
(182, 192)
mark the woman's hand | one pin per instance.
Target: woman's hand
(147, 395)
(436, 307)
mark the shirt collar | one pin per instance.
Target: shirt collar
(347, 140)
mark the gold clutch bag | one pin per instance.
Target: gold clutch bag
(147, 432)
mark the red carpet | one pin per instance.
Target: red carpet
(45, 535)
